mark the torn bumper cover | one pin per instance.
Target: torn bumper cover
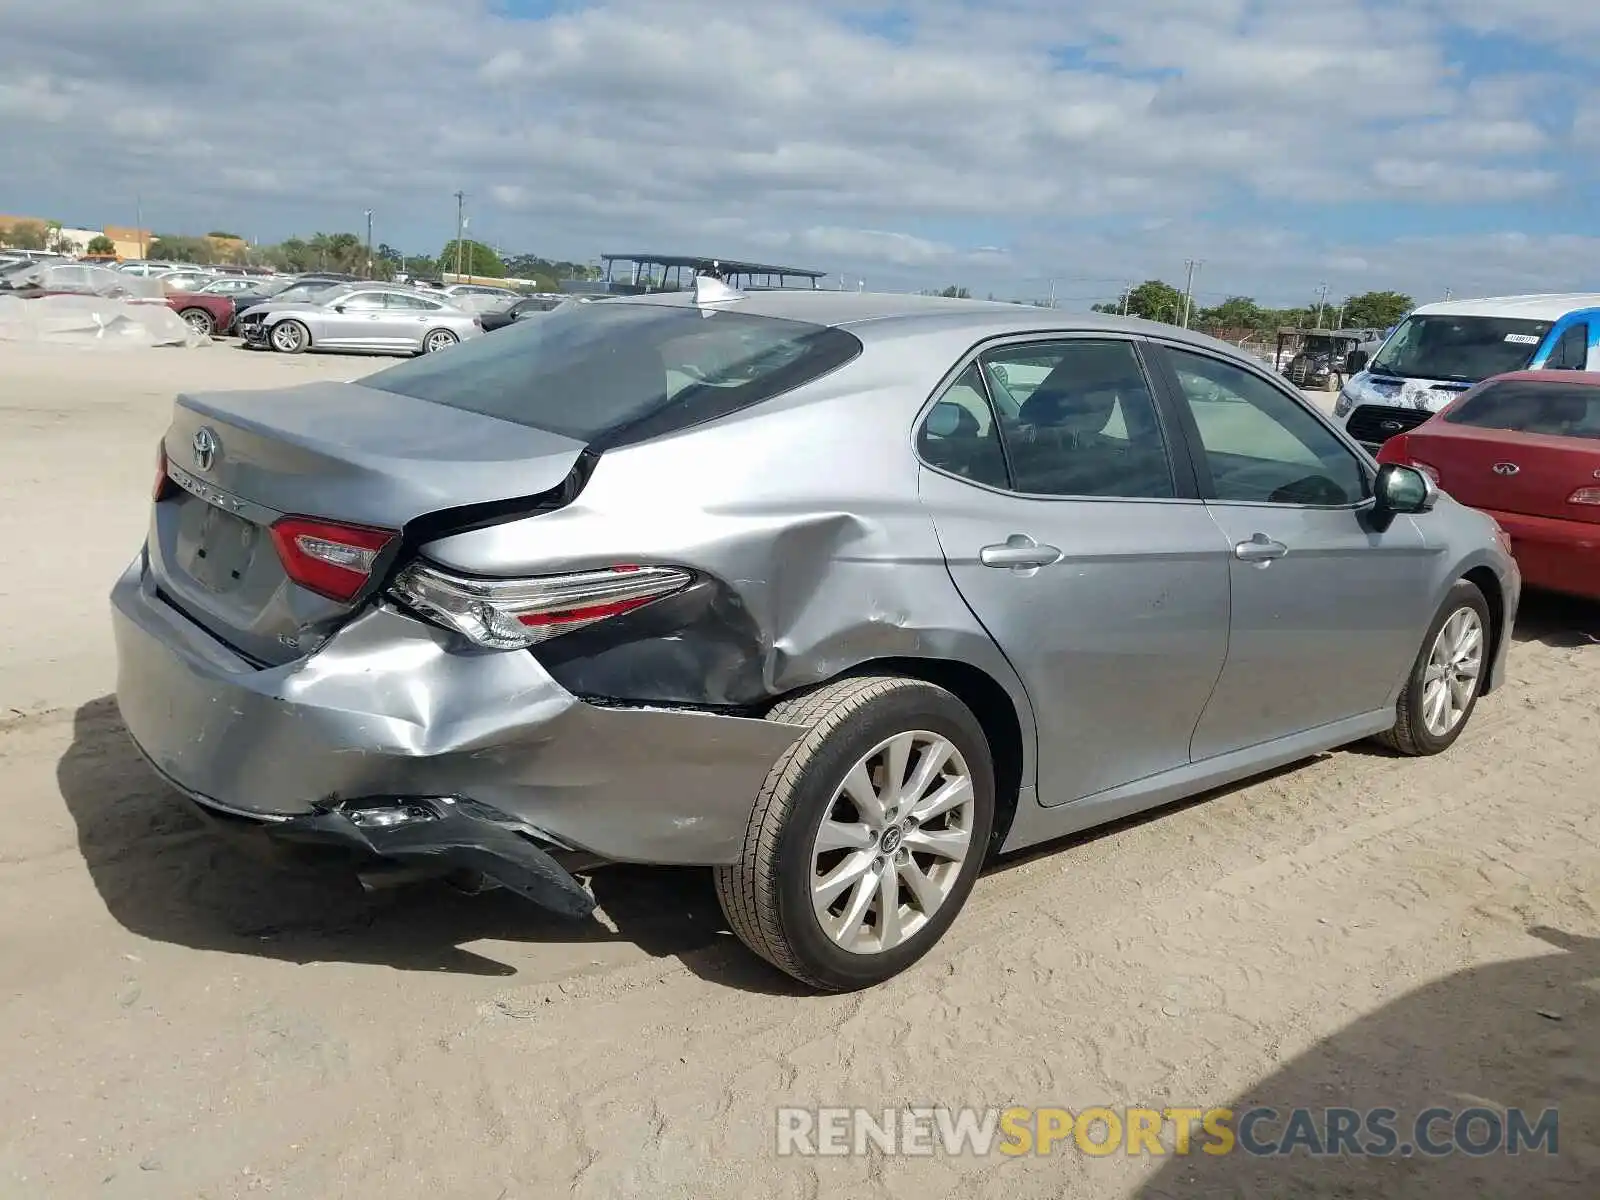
(442, 835)
(392, 708)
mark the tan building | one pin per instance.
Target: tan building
(8, 223)
(130, 242)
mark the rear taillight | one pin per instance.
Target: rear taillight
(330, 559)
(508, 614)
(1585, 496)
(163, 485)
(1428, 469)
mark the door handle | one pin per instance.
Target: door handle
(1019, 552)
(1259, 549)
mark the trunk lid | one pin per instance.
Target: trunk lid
(338, 452)
(1475, 467)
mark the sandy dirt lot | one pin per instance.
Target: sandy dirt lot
(181, 1022)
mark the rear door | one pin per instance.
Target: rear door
(1327, 612)
(412, 316)
(1077, 539)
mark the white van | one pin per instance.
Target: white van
(1441, 350)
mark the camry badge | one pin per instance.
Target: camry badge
(204, 446)
(1506, 468)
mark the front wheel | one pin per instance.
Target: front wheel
(290, 337)
(1446, 678)
(868, 835)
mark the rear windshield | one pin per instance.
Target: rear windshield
(1533, 406)
(1466, 349)
(614, 372)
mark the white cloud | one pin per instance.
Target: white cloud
(1083, 138)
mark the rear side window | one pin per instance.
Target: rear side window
(960, 434)
(1531, 406)
(612, 373)
(1571, 351)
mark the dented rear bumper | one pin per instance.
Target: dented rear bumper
(392, 707)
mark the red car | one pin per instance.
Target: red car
(1525, 448)
(205, 312)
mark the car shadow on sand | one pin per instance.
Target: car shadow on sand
(165, 873)
(1560, 622)
(1523, 1034)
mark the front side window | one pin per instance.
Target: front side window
(960, 434)
(1261, 445)
(1078, 419)
(361, 302)
(608, 374)
(410, 303)
(1557, 409)
(1571, 351)
(1462, 349)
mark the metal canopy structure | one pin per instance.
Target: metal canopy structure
(635, 274)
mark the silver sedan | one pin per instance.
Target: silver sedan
(369, 319)
(836, 594)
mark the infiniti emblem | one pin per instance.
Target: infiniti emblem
(1506, 468)
(204, 446)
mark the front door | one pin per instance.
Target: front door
(1328, 613)
(1080, 544)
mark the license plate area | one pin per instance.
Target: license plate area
(216, 548)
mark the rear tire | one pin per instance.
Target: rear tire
(290, 337)
(895, 854)
(436, 340)
(199, 320)
(1437, 701)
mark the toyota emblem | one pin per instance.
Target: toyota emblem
(1506, 468)
(204, 446)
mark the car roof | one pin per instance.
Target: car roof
(1549, 307)
(881, 315)
(1583, 378)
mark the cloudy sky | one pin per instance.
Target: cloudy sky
(999, 144)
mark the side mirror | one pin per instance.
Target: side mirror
(338, 308)
(948, 419)
(1400, 490)
(1355, 362)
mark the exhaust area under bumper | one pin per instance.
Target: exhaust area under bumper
(441, 835)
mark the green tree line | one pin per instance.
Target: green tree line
(1157, 300)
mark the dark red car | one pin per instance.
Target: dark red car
(205, 312)
(1525, 448)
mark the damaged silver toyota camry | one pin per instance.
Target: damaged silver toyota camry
(836, 594)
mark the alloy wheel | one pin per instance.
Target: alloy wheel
(892, 842)
(1451, 677)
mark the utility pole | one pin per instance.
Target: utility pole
(1188, 288)
(461, 227)
(369, 242)
(138, 224)
(1448, 292)
(1127, 294)
(1052, 293)
(1339, 321)
(1322, 300)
